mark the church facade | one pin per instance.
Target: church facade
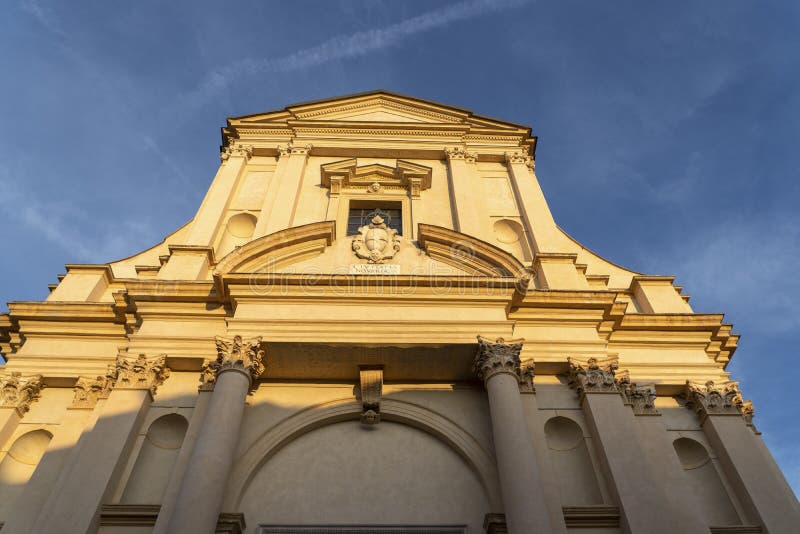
(373, 325)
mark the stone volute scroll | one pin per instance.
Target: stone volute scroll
(234, 354)
(140, 372)
(371, 387)
(591, 375)
(725, 398)
(501, 356)
(19, 392)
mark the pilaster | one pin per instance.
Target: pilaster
(284, 204)
(642, 499)
(74, 504)
(17, 392)
(209, 217)
(464, 186)
(542, 229)
(726, 420)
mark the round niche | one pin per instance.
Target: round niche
(241, 225)
(562, 434)
(507, 231)
(167, 432)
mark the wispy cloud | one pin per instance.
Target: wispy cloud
(341, 47)
(67, 226)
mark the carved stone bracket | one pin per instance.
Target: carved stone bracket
(520, 158)
(371, 391)
(590, 375)
(88, 390)
(642, 398)
(460, 153)
(234, 353)
(718, 399)
(141, 372)
(19, 392)
(501, 356)
(243, 151)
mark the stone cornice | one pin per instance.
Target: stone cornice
(18, 392)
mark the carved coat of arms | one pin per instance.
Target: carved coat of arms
(376, 242)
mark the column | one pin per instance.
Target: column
(96, 467)
(16, 395)
(209, 216)
(727, 422)
(532, 204)
(498, 365)
(642, 499)
(239, 363)
(464, 192)
(287, 193)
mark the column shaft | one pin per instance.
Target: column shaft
(199, 502)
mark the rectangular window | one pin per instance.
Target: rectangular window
(362, 530)
(362, 212)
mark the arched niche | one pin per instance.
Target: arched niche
(460, 444)
(510, 236)
(568, 451)
(19, 464)
(704, 484)
(157, 456)
(346, 473)
(238, 231)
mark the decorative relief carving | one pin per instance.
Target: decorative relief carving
(141, 372)
(88, 390)
(376, 242)
(371, 391)
(591, 375)
(517, 158)
(718, 399)
(642, 398)
(19, 392)
(460, 153)
(501, 356)
(236, 354)
(243, 151)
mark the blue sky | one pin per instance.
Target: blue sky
(667, 131)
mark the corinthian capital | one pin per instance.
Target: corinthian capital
(234, 354)
(243, 151)
(88, 390)
(642, 398)
(19, 392)
(141, 372)
(460, 153)
(590, 375)
(718, 399)
(501, 356)
(522, 158)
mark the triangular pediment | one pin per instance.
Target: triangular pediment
(375, 107)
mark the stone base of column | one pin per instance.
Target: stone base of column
(231, 523)
(495, 524)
